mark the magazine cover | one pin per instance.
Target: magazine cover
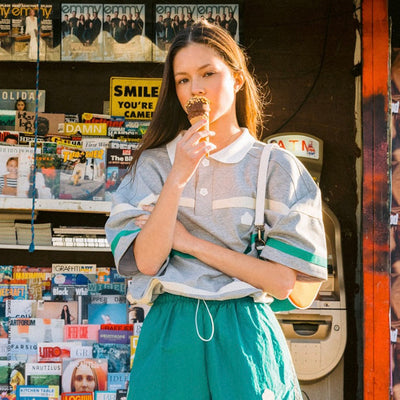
(83, 173)
(118, 161)
(6, 273)
(67, 293)
(24, 23)
(118, 355)
(77, 396)
(137, 313)
(107, 299)
(55, 352)
(105, 395)
(14, 170)
(7, 120)
(38, 280)
(107, 313)
(171, 18)
(47, 33)
(82, 333)
(5, 32)
(20, 308)
(22, 351)
(73, 369)
(47, 182)
(12, 373)
(14, 291)
(122, 394)
(36, 330)
(4, 349)
(134, 342)
(43, 373)
(114, 336)
(48, 123)
(22, 99)
(9, 137)
(59, 310)
(33, 392)
(225, 15)
(118, 380)
(81, 32)
(124, 32)
(82, 351)
(107, 288)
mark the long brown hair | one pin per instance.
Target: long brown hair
(169, 118)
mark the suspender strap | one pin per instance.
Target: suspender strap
(260, 196)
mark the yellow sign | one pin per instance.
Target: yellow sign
(134, 98)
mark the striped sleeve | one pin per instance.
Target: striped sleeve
(128, 200)
(295, 234)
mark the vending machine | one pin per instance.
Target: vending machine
(317, 336)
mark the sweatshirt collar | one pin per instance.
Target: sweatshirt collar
(230, 154)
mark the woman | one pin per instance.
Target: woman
(182, 225)
(31, 29)
(66, 315)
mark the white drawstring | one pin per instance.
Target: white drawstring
(211, 319)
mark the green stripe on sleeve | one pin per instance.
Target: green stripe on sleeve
(180, 254)
(119, 236)
(296, 252)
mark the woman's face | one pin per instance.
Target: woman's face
(12, 166)
(84, 380)
(20, 105)
(199, 70)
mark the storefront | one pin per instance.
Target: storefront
(325, 69)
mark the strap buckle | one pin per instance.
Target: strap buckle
(260, 242)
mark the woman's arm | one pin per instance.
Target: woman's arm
(271, 277)
(154, 242)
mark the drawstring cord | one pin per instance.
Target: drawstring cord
(211, 319)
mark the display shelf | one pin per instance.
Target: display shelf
(55, 248)
(18, 203)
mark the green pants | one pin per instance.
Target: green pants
(242, 356)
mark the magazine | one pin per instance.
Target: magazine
(43, 373)
(83, 333)
(35, 330)
(59, 310)
(24, 23)
(9, 98)
(14, 170)
(20, 308)
(9, 137)
(77, 396)
(5, 33)
(124, 33)
(13, 291)
(47, 123)
(118, 161)
(96, 367)
(171, 18)
(22, 351)
(12, 374)
(81, 32)
(118, 380)
(107, 313)
(7, 120)
(55, 352)
(83, 173)
(105, 395)
(114, 336)
(33, 392)
(47, 182)
(224, 15)
(118, 355)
